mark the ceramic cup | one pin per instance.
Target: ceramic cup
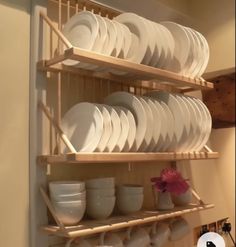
(137, 237)
(159, 234)
(179, 227)
(79, 243)
(110, 239)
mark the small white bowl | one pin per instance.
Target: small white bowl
(128, 204)
(100, 208)
(69, 197)
(70, 212)
(101, 192)
(129, 189)
(100, 183)
(66, 187)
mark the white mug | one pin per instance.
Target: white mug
(78, 243)
(137, 237)
(179, 227)
(159, 234)
(110, 239)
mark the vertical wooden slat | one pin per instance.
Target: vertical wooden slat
(76, 6)
(68, 9)
(59, 110)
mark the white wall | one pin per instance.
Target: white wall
(14, 127)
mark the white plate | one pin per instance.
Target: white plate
(148, 138)
(132, 130)
(120, 144)
(199, 136)
(116, 129)
(83, 125)
(139, 36)
(208, 123)
(132, 103)
(119, 39)
(107, 128)
(157, 122)
(151, 42)
(176, 109)
(81, 30)
(182, 46)
(167, 130)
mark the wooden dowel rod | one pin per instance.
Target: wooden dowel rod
(58, 32)
(51, 209)
(58, 128)
(59, 109)
(208, 149)
(195, 194)
(68, 10)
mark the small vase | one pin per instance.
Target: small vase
(163, 201)
(182, 199)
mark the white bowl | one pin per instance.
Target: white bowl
(128, 204)
(66, 187)
(129, 189)
(100, 183)
(100, 208)
(71, 212)
(101, 192)
(69, 197)
(182, 199)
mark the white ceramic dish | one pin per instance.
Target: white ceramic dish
(182, 46)
(107, 128)
(129, 203)
(157, 123)
(70, 212)
(83, 125)
(100, 183)
(81, 30)
(125, 128)
(132, 103)
(132, 130)
(139, 36)
(100, 208)
(116, 129)
(148, 137)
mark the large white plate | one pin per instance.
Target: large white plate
(116, 129)
(132, 130)
(159, 130)
(120, 144)
(149, 138)
(139, 36)
(176, 109)
(107, 128)
(83, 125)
(119, 39)
(81, 30)
(182, 46)
(132, 103)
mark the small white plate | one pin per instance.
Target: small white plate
(81, 30)
(107, 128)
(83, 125)
(116, 129)
(120, 144)
(132, 103)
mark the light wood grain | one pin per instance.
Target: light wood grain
(118, 222)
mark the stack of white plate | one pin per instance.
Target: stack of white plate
(129, 198)
(69, 200)
(165, 45)
(99, 127)
(100, 197)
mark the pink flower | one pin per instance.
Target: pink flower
(170, 180)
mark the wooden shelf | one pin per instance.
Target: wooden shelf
(139, 70)
(118, 222)
(123, 157)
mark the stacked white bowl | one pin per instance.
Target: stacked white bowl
(69, 200)
(100, 197)
(129, 198)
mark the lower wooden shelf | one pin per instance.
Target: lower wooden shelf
(124, 157)
(118, 222)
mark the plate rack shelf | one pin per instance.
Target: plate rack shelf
(147, 78)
